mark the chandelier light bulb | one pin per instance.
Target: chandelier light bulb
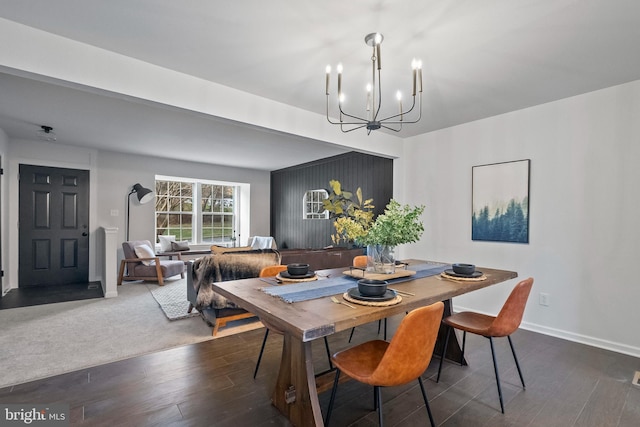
(328, 69)
(399, 96)
(378, 38)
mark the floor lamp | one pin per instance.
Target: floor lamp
(144, 195)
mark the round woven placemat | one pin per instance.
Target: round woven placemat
(394, 301)
(464, 279)
(279, 278)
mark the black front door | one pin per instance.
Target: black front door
(54, 226)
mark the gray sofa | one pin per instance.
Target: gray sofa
(215, 309)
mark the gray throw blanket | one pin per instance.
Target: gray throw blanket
(224, 267)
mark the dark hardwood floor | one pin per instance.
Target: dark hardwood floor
(38, 295)
(211, 384)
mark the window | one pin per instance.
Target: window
(198, 211)
(312, 205)
(218, 213)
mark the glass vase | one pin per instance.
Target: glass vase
(381, 259)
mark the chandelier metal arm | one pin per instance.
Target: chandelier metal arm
(341, 122)
(349, 115)
(375, 117)
(405, 113)
(352, 129)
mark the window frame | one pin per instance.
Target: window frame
(240, 214)
(315, 202)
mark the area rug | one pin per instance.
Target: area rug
(172, 299)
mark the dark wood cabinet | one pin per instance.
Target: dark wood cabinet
(320, 259)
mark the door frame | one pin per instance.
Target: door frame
(52, 155)
(66, 233)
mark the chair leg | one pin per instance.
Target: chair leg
(326, 346)
(495, 367)
(264, 341)
(121, 272)
(515, 358)
(190, 309)
(385, 328)
(379, 403)
(333, 395)
(444, 351)
(351, 334)
(464, 345)
(426, 402)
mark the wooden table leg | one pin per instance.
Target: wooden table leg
(295, 393)
(454, 351)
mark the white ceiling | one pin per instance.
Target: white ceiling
(481, 58)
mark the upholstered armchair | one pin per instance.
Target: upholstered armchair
(143, 264)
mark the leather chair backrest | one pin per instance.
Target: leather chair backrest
(272, 270)
(411, 348)
(510, 316)
(360, 261)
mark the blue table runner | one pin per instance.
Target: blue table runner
(331, 286)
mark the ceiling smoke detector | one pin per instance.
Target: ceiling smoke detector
(46, 133)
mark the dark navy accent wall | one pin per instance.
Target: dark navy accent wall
(372, 173)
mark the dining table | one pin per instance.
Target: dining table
(306, 311)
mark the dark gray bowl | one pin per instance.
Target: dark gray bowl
(463, 268)
(372, 287)
(297, 269)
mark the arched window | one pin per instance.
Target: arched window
(312, 205)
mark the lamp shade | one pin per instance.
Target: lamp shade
(144, 195)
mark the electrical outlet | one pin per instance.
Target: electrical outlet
(115, 212)
(544, 299)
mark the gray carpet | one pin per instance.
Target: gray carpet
(51, 339)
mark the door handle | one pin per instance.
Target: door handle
(85, 234)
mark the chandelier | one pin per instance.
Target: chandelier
(372, 121)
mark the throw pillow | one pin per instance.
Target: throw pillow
(180, 246)
(144, 251)
(165, 242)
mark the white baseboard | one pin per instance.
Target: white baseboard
(571, 336)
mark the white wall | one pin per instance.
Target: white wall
(46, 154)
(584, 204)
(119, 172)
(112, 176)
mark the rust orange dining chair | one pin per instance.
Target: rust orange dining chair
(387, 364)
(360, 261)
(503, 325)
(272, 271)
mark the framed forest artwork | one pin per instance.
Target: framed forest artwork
(500, 202)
